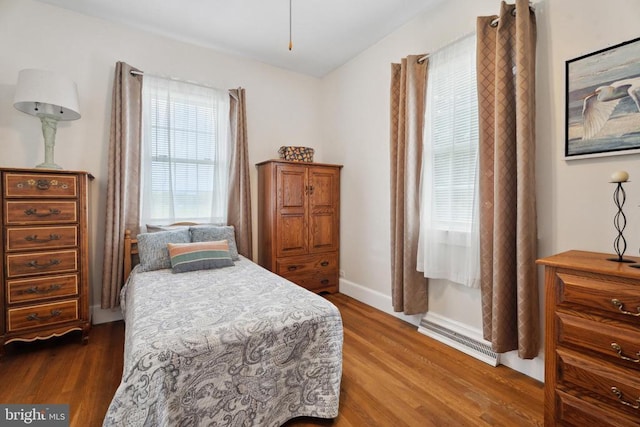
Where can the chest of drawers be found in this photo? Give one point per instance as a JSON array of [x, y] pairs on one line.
[[592, 344], [44, 269]]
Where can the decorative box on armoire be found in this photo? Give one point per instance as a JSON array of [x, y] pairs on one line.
[[45, 268], [299, 222], [592, 344]]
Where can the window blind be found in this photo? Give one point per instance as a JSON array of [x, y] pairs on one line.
[[448, 245], [185, 152]]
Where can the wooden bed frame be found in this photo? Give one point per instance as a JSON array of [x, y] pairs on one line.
[[130, 250]]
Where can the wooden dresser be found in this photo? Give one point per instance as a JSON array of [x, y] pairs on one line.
[[592, 347], [299, 222], [44, 270]]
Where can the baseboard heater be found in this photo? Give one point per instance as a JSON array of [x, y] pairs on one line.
[[457, 336]]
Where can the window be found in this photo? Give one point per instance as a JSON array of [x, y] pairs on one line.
[[448, 244], [185, 152]]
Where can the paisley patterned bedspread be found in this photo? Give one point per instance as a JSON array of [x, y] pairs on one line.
[[236, 346]]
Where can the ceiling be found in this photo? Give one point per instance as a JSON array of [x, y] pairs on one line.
[[326, 33]]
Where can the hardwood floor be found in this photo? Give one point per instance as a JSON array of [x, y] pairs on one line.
[[392, 376]]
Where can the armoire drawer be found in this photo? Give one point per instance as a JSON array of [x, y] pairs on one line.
[[28, 238], [25, 212], [40, 288], [307, 263], [315, 281], [42, 315], [40, 185], [36, 263]]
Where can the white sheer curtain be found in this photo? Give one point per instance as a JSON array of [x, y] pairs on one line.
[[185, 152], [448, 246]]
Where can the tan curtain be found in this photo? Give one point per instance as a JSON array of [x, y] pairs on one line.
[[123, 178], [506, 101], [239, 208], [408, 85]]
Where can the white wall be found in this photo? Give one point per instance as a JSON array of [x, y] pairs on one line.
[[575, 210], [282, 107]]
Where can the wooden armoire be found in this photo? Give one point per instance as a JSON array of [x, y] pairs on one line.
[[299, 222]]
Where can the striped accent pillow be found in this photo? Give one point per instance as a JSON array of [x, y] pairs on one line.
[[199, 256]]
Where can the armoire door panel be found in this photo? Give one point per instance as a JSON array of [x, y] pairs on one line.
[[323, 188], [292, 235], [292, 193], [323, 232]]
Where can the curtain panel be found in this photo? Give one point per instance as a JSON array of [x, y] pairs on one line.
[[506, 51], [123, 178], [239, 206], [408, 86]]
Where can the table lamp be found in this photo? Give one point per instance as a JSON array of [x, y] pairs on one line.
[[50, 97]]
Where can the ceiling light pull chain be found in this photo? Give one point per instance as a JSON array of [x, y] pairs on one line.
[[290, 37]]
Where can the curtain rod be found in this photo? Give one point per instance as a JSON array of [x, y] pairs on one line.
[[174, 79], [422, 59], [493, 24]]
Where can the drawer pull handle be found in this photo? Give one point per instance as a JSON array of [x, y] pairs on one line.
[[51, 263], [37, 290], [34, 316], [324, 263], [43, 184], [292, 268], [34, 212], [34, 238], [616, 347], [325, 281], [618, 393], [620, 306]]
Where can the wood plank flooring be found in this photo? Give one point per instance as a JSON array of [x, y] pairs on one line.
[[392, 376]]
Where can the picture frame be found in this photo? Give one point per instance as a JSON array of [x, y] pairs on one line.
[[602, 111]]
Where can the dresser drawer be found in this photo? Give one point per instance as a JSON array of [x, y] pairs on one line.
[[306, 264], [36, 316], [40, 185], [41, 238], [25, 213], [620, 298], [617, 340], [36, 263], [599, 380], [574, 412], [29, 290]]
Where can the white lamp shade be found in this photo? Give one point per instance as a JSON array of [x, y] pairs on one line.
[[44, 93]]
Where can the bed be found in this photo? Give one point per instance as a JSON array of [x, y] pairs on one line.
[[226, 346]]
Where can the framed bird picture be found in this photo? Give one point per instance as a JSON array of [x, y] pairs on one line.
[[603, 102]]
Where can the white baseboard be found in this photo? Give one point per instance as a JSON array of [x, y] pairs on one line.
[[101, 315], [376, 300]]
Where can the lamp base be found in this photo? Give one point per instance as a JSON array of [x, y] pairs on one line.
[[46, 165], [49, 127]]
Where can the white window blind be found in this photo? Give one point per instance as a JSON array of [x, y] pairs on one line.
[[448, 244], [185, 152]]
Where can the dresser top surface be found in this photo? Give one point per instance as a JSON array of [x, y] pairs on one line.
[[41, 171], [594, 262]]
